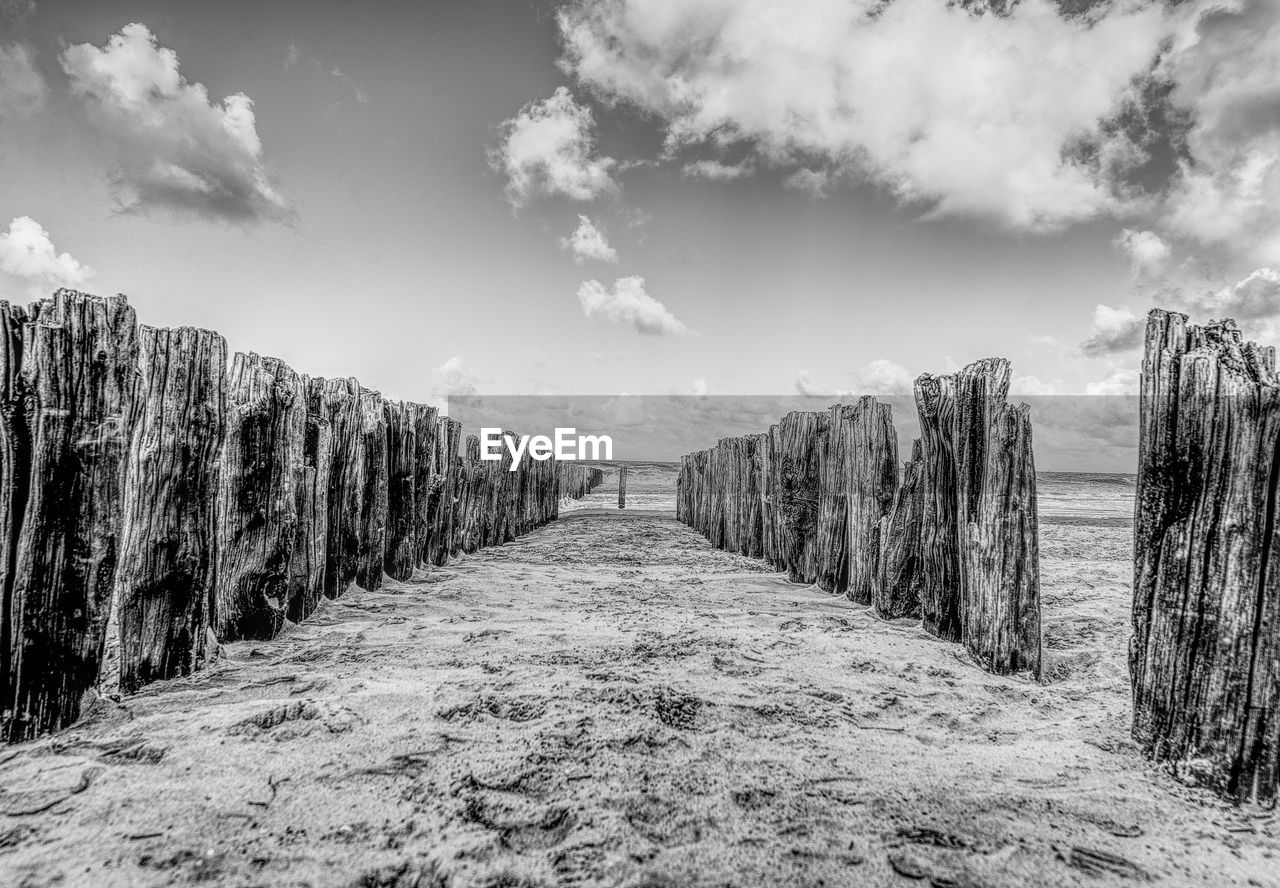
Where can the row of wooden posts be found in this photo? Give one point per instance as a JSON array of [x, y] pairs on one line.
[[953, 540], [208, 505]]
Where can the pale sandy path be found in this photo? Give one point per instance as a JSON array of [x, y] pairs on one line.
[[610, 701]]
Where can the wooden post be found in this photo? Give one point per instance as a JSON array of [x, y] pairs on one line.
[[622, 487], [262, 467], [311, 548], [67, 412], [939, 525], [900, 580], [338, 402], [168, 547], [873, 471], [402, 449], [444, 483], [799, 442], [424, 478], [981, 446], [1205, 653], [373, 501]]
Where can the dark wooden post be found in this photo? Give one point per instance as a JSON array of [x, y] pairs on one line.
[[311, 549], [168, 548], [939, 525], [1205, 654], [800, 441], [338, 402], [901, 578], [981, 447], [873, 469], [444, 483], [262, 464], [373, 501], [402, 449], [622, 487], [67, 422], [424, 479]]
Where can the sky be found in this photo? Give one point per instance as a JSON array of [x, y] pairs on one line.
[[598, 197]]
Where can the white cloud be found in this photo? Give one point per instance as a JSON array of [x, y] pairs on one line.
[[966, 114], [805, 385], [882, 377], [547, 149], [172, 148], [1256, 298], [1225, 67], [628, 303], [699, 387], [453, 378], [1114, 330], [815, 183], [27, 254], [1028, 386], [22, 88], [719, 172], [588, 242], [1148, 253], [1119, 382]]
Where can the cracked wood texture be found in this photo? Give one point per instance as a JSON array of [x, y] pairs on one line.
[[402, 448], [863, 446], [262, 468], [425, 430], [1205, 652], [445, 480], [799, 441], [899, 583], [68, 411], [168, 551], [337, 402], [979, 529], [373, 497], [311, 549]]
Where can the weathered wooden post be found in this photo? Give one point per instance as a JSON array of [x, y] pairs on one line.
[[622, 487], [338, 402], [900, 578], [424, 478], [71, 377], [939, 524], [799, 442], [980, 446], [873, 467], [1205, 653], [311, 550], [262, 467], [444, 484], [168, 547], [402, 445], [373, 500]]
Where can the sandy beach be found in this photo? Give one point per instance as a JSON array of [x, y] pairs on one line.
[[610, 701]]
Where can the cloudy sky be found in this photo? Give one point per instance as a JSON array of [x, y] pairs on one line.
[[607, 196]]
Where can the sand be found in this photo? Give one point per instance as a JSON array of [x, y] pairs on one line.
[[609, 701]]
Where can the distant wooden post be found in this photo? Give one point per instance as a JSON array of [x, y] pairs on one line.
[[262, 466], [168, 547], [1205, 654], [799, 442], [622, 487], [311, 550], [337, 401], [373, 501], [71, 376], [900, 579], [402, 445], [425, 430]]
